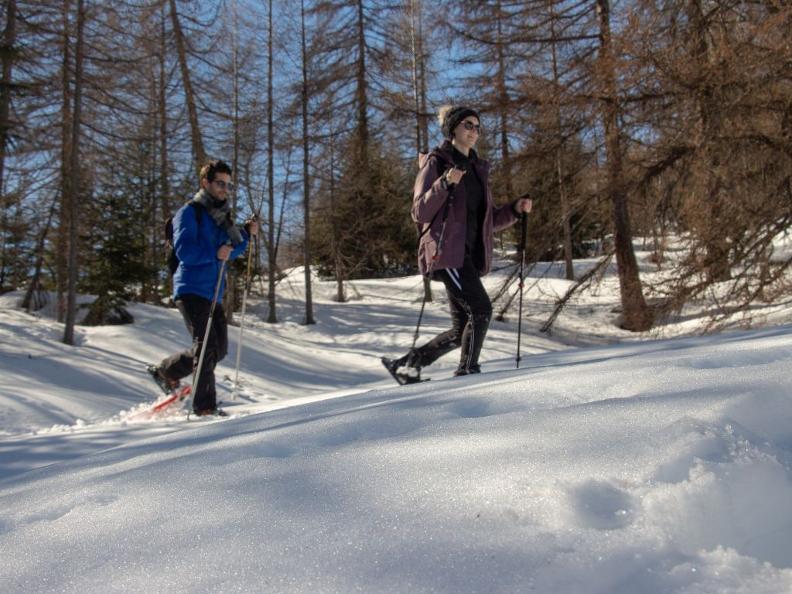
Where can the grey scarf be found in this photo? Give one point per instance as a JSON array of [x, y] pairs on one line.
[[220, 213]]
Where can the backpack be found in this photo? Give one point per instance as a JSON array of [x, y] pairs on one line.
[[443, 168], [173, 259]]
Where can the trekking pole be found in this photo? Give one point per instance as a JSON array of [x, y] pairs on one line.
[[197, 373], [524, 225], [242, 322]]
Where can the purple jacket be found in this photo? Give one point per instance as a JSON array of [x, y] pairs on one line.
[[429, 198]]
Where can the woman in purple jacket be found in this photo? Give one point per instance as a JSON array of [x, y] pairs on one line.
[[453, 206]]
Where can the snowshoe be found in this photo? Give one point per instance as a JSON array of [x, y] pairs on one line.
[[211, 412], [393, 365], [166, 385], [176, 395]]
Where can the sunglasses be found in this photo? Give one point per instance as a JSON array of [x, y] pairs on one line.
[[470, 126], [223, 185]]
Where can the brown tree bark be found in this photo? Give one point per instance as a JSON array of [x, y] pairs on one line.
[[309, 315], [30, 301], [272, 265], [361, 92], [75, 178], [503, 103], [232, 296], [419, 95], [62, 240], [7, 50], [189, 95], [563, 198], [637, 316], [716, 261], [164, 161]]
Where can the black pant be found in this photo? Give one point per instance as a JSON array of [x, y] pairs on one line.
[[471, 311], [195, 311]]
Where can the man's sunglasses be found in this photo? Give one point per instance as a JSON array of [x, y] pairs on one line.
[[471, 126], [223, 185]]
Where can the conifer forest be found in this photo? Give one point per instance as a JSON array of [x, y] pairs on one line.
[[663, 124]]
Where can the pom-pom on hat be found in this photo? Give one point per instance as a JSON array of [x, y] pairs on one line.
[[452, 115]]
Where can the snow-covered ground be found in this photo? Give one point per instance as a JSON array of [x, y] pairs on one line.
[[608, 463]]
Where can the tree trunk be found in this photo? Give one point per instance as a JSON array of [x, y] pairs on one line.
[[62, 241], [150, 285], [150, 289], [309, 316], [419, 96], [335, 236], [416, 38], [195, 130], [361, 93], [75, 179], [563, 198], [272, 317], [637, 316], [165, 189], [232, 297], [30, 302], [8, 55], [424, 115], [716, 261], [503, 103]]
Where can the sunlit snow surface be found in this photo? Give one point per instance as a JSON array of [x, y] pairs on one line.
[[641, 467]]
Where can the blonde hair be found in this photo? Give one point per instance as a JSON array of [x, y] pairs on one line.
[[442, 113]]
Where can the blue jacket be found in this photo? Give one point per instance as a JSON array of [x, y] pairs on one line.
[[196, 247]]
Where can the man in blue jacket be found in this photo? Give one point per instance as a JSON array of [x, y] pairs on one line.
[[204, 236]]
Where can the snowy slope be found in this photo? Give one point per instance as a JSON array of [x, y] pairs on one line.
[[652, 467], [106, 372]]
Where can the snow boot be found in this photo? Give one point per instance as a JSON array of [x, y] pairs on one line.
[[210, 412], [474, 369], [402, 377], [166, 385]]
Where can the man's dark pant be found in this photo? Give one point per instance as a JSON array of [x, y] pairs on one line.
[[471, 311], [195, 311]]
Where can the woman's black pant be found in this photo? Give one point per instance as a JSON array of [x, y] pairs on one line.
[[195, 311], [471, 311]]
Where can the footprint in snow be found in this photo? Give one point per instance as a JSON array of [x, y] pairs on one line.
[[601, 505]]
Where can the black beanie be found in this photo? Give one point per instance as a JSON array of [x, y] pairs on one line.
[[454, 116]]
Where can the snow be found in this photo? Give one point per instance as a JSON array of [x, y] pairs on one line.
[[605, 464]]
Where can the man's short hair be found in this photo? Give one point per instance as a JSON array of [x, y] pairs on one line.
[[213, 167]]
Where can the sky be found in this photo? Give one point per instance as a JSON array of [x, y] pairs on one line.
[[608, 463]]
